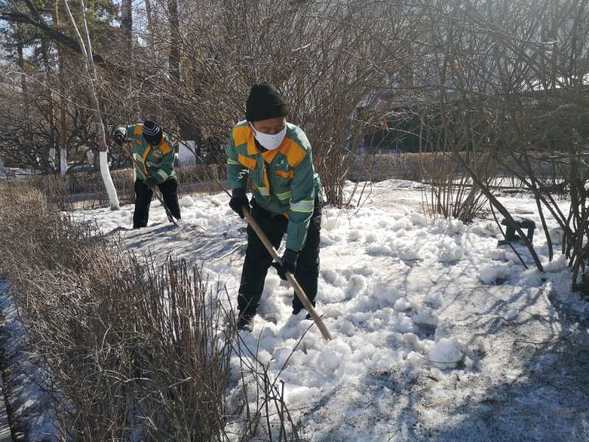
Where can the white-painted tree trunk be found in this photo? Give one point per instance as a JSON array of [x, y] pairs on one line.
[[107, 179], [62, 161], [52, 157], [187, 154], [90, 69]]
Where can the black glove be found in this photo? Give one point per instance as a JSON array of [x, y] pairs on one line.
[[150, 182], [289, 263], [119, 135], [238, 200], [119, 139]]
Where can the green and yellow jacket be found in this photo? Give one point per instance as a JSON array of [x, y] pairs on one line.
[[284, 179], [151, 161]]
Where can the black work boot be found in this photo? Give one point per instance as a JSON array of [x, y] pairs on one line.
[[296, 309], [245, 321]]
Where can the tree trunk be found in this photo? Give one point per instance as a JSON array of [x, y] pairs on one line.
[[150, 21], [187, 130], [90, 69], [52, 158], [174, 56], [25, 91], [62, 160], [127, 22], [54, 138], [61, 132]]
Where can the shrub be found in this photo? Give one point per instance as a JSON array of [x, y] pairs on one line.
[[134, 350]]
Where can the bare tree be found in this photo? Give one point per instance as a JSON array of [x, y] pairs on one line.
[[90, 69], [507, 81]]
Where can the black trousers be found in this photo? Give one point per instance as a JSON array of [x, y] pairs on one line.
[[143, 195], [258, 260]]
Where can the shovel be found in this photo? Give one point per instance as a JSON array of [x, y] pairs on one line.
[[289, 276]]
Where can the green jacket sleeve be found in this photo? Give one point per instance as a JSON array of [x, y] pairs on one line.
[[236, 173], [302, 203], [137, 162], [165, 169], [131, 133]]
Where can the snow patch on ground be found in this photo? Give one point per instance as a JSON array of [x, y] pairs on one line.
[[446, 353], [28, 398], [494, 273], [439, 334]]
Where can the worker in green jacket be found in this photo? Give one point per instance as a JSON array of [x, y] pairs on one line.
[[276, 156], [153, 158]]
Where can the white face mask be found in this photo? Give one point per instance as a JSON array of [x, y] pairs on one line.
[[270, 141]]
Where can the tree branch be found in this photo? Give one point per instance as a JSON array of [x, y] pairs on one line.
[[53, 34]]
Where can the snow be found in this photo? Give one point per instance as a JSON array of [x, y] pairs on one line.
[[24, 386], [494, 273], [186, 201], [445, 353], [439, 334]]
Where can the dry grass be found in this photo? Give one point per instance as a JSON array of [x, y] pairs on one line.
[[134, 350], [425, 167], [451, 193], [404, 166], [86, 189]]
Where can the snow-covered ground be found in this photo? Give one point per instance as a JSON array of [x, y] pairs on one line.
[[23, 377], [439, 334]]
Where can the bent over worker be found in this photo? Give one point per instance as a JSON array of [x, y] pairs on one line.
[[153, 158], [276, 156]]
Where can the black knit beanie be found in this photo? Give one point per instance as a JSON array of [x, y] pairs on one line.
[[152, 132], [263, 103]]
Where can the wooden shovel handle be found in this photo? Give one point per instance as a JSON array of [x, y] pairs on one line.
[[289, 276]]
